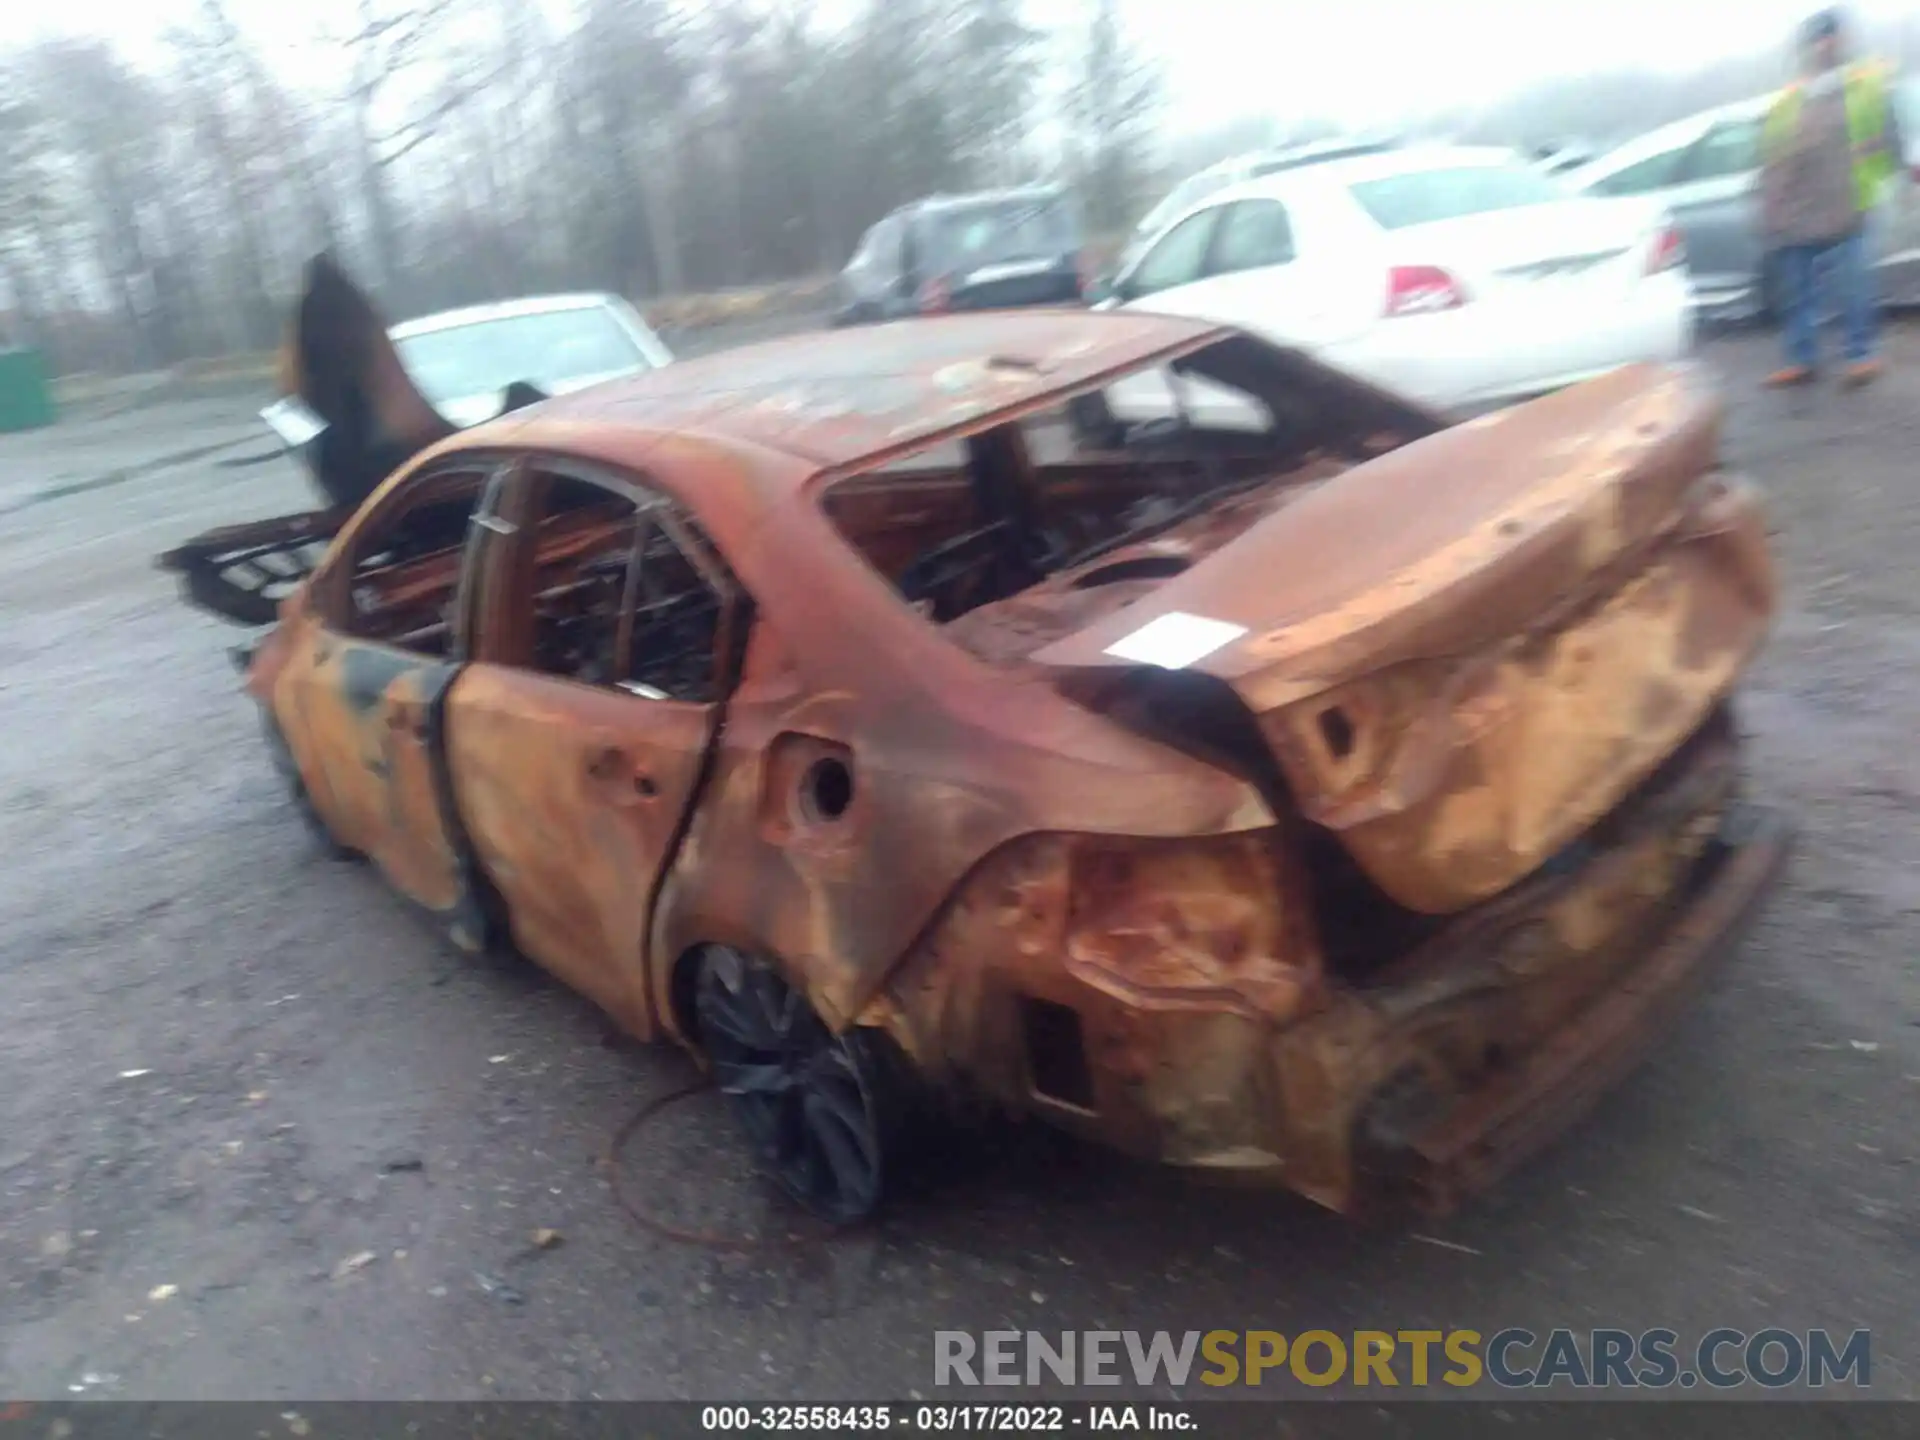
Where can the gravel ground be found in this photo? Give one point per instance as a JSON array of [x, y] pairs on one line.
[[260, 1136]]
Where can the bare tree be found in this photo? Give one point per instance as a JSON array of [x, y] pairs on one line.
[[1112, 107], [393, 110], [481, 148]]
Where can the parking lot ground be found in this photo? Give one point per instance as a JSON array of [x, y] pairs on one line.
[[261, 1136]]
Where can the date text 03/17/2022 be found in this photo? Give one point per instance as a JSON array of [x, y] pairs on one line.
[[943, 1418]]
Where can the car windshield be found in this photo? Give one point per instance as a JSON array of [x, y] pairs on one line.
[[551, 349], [1423, 197], [1013, 229]]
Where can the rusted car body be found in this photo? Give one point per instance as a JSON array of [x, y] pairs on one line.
[[1343, 804]]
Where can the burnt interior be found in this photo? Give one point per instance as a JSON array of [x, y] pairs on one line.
[[617, 601], [1027, 532], [404, 573], [605, 594]]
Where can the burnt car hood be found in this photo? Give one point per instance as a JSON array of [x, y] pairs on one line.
[[1464, 652]]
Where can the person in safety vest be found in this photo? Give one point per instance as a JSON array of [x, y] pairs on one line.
[[1829, 147]]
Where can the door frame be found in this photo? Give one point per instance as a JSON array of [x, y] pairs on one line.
[[473, 920], [497, 579]]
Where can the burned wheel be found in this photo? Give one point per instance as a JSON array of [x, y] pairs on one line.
[[813, 1103]]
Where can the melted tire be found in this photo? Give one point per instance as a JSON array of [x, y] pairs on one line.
[[822, 1111]]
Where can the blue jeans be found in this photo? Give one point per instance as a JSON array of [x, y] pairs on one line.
[[1844, 264]]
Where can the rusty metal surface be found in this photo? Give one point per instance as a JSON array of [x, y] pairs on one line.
[[574, 830], [844, 396], [1469, 1149], [1184, 913], [1464, 691], [1481, 1015]]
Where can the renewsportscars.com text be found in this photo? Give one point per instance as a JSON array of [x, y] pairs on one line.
[[1509, 1359]]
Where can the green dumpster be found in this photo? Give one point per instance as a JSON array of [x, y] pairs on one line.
[[26, 399]]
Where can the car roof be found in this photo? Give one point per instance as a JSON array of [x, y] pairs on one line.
[[1319, 152], [844, 398], [500, 310], [1351, 170], [936, 204]]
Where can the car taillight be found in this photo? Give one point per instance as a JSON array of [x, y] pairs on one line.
[[1422, 290], [935, 296], [1668, 252]]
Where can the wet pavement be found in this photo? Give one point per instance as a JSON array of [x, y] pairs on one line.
[[262, 1136]]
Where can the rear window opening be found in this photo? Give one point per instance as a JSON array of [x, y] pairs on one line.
[[964, 237], [1030, 530], [1428, 197]]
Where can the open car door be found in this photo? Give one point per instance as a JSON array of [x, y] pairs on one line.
[[361, 700], [351, 414]]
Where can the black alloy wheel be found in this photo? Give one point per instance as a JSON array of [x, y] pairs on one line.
[[806, 1097]]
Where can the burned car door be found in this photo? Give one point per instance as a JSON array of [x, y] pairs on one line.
[[364, 700], [578, 738]]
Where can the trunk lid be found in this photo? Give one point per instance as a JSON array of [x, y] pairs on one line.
[[1579, 249], [1465, 652]]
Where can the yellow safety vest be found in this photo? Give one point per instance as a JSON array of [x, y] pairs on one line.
[[1865, 88]]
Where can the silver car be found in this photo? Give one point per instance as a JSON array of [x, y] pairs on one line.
[[1705, 172]]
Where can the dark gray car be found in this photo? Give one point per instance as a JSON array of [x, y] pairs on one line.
[[1705, 171], [984, 251]]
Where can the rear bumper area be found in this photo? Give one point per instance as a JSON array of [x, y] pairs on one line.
[[1421, 1078], [1482, 1135]]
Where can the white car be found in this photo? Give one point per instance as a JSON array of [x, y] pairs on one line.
[[1235, 170], [1460, 277], [464, 360]]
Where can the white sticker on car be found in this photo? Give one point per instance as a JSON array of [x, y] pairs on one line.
[[1175, 640]]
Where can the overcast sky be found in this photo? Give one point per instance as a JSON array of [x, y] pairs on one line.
[[1350, 60]]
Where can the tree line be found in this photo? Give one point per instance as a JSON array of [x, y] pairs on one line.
[[469, 149], [464, 150]]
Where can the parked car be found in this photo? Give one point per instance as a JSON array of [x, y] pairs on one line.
[[1704, 171], [1459, 276], [1341, 805], [470, 364], [966, 252], [1237, 170], [1559, 159]]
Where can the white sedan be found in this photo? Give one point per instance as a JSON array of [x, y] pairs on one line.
[[464, 360], [1460, 277]]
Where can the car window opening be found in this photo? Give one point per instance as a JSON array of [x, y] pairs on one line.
[[1028, 531], [403, 575], [612, 599]]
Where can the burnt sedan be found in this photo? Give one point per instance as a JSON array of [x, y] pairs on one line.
[[1334, 796]]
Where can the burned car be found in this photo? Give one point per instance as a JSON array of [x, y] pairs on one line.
[[1342, 802]]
